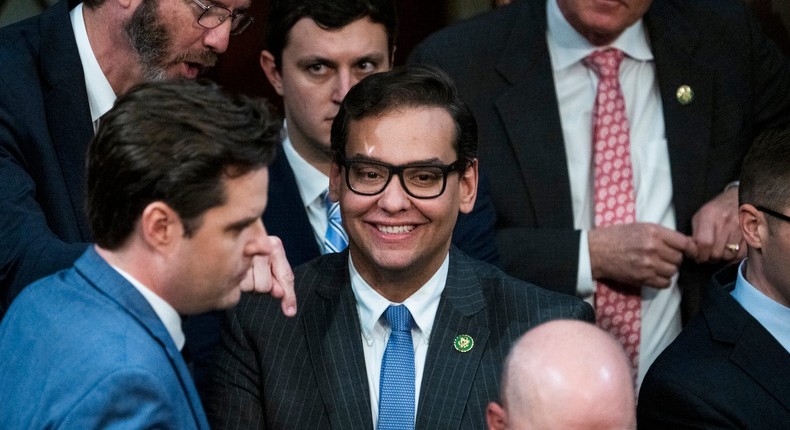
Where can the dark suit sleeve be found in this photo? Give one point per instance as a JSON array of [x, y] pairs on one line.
[[29, 249], [232, 399], [665, 404]]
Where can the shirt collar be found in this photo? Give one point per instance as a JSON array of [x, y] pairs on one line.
[[101, 97], [166, 313], [422, 304], [310, 181], [772, 315], [568, 47]]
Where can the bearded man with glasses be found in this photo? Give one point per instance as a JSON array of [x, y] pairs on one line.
[[730, 367], [401, 330]]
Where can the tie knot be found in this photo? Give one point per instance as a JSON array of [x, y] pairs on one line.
[[606, 63], [399, 318]]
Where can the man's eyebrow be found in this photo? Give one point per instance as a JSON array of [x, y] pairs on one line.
[[241, 224], [315, 59]]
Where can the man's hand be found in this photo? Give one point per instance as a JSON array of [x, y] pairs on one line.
[[272, 274], [715, 225], [638, 254]]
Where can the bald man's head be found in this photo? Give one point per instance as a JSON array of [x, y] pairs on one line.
[[569, 375]]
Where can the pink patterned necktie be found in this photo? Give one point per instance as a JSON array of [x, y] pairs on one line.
[[618, 309]]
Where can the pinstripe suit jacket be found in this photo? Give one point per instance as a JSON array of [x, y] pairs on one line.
[[308, 372]]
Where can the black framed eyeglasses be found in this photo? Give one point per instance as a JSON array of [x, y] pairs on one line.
[[213, 16], [773, 213], [421, 181]]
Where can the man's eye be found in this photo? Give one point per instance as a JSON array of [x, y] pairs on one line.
[[316, 69]]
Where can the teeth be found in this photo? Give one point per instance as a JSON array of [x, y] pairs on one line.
[[395, 229]]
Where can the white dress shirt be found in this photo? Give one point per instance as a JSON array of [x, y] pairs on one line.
[[772, 315], [371, 305], [101, 96], [311, 183], [576, 87], [166, 313]]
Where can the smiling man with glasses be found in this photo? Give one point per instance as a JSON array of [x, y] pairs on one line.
[[730, 368], [401, 330]]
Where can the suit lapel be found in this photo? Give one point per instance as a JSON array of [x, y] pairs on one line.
[[688, 127], [66, 104], [754, 350], [333, 339], [443, 397], [535, 133], [285, 216], [110, 283]]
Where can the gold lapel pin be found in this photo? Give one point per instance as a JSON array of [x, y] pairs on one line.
[[463, 343], [685, 95]]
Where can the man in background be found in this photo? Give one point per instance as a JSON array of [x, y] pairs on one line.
[[630, 203], [176, 186], [730, 367], [566, 375], [316, 51]]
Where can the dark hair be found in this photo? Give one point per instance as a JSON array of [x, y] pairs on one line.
[[765, 174], [403, 87], [172, 141], [329, 15]]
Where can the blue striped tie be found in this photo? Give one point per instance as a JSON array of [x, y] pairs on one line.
[[396, 385], [335, 239]]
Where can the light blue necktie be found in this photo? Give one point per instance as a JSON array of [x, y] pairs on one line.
[[335, 239], [396, 385]]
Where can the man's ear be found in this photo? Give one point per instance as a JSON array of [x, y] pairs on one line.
[[269, 67], [496, 417], [335, 181], [753, 225], [160, 226], [468, 188]]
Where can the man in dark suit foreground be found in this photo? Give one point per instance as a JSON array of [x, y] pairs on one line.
[[699, 81], [567, 375], [176, 185], [730, 368], [404, 164]]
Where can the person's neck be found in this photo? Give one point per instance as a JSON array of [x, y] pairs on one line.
[[755, 274], [321, 159], [111, 47]]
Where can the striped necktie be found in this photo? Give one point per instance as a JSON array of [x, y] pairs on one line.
[[335, 239]]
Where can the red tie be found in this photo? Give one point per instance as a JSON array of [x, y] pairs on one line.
[[618, 309]]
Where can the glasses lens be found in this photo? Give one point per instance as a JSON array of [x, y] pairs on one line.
[[424, 181], [213, 17], [367, 178], [240, 23]]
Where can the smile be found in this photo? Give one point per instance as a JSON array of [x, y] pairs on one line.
[[391, 229]]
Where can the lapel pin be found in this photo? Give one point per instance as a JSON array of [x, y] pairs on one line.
[[685, 95], [463, 343]]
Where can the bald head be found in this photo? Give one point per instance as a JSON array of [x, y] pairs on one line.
[[569, 375]]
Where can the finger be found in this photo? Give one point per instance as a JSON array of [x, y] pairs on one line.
[[248, 283], [659, 282], [283, 277], [261, 274], [703, 235], [670, 255]]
